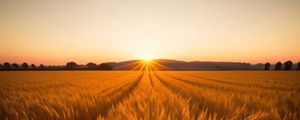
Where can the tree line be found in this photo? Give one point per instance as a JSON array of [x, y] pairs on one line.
[[67, 66], [288, 65]]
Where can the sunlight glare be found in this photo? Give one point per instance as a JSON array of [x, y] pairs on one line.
[[147, 59], [146, 56]]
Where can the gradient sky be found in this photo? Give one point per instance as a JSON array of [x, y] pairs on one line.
[[56, 31]]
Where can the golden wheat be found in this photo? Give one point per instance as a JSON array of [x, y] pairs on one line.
[[150, 95]]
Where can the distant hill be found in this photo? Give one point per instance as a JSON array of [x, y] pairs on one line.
[[168, 64]]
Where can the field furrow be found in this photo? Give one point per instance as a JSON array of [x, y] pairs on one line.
[[187, 113], [117, 96], [230, 88], [230, 82], [80, 99], [276, 79], [195, 101], [151, 100], [201, 84]]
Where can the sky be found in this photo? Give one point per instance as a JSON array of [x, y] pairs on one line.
[[54, 32]]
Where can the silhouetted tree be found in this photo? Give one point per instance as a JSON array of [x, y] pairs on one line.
[[71, 65], [267, 66], [14, 66], [6, 66], [288, 65], [42, 67], [25, 65], [278, 66], [33, 66], [91, 66], [1, 67], [104, 66], [298, 67]]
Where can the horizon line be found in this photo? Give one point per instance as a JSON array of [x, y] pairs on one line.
[[294, 62]]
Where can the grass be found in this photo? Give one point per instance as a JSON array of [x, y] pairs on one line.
[[150, 95]]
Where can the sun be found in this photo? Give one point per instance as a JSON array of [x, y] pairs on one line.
[[146, 56], [147, 59]]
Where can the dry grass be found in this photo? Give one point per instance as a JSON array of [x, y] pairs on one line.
[[150, 95]]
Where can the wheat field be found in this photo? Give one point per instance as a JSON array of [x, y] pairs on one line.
[[150, 95]]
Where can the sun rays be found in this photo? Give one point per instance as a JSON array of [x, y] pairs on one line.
[[150, 65]]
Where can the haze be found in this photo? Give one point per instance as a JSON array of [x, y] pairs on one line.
[[54, 32]]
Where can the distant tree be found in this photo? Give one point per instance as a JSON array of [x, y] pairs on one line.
[[6, 66], [42, 67], [1, 66], [298, 67], [278, 66], [14, 66], [288, 65], [104, 66], [91, 66], [50, 67], [71, 65], [25, 65], [267, 66], [33, 66]]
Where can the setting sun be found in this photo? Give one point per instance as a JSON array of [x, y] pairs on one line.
[[147, 59], [146, 56]]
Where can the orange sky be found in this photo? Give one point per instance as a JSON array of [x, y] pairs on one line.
[[115, 30]]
